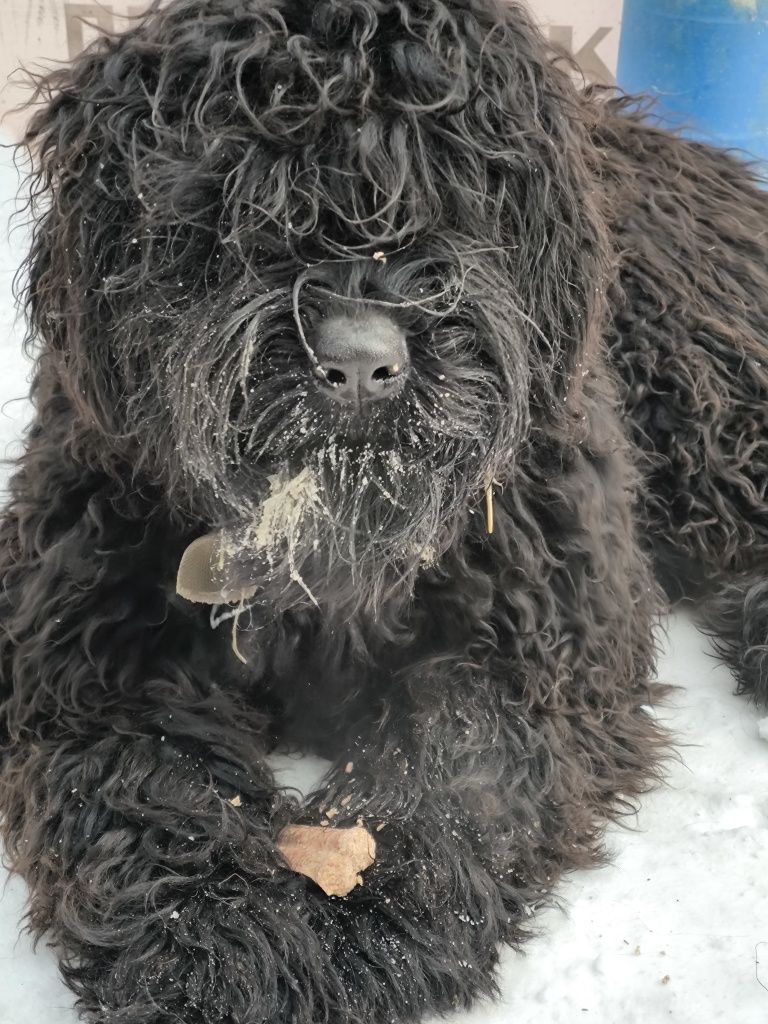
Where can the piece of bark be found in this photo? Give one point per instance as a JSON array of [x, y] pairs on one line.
[[332, 857]]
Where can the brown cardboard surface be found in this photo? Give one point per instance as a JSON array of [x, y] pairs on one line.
[[35, 34]]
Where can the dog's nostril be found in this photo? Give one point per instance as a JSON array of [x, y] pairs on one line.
[[335, 377], [386, 372]]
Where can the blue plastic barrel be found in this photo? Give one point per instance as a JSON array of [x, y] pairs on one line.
[[706, 62]]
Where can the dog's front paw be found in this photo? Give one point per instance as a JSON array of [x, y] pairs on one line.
[[234, 952], [421, 933], [398, 961]]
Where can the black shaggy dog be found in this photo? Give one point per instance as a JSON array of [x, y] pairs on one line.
[[338, 282]]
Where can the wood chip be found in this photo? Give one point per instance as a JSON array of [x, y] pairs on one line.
[[333, 859], [380, 257], [346, 801], [236, 801], [200, 579], [332, 813], [348, 767], [666, 979]]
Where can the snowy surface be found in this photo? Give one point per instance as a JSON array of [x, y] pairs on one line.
[[675, 929]]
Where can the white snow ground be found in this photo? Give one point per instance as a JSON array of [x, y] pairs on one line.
[[676, 929]]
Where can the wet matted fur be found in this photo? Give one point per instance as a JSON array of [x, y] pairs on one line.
[[584, 298]]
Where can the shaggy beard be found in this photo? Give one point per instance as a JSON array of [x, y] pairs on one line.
[[348, 522], [348, 532]]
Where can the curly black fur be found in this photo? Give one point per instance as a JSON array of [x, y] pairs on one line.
[[584, 297]]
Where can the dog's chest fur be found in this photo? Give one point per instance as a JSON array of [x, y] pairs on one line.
[[314, 683]]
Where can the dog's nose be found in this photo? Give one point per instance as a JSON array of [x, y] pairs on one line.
[[361, 359]]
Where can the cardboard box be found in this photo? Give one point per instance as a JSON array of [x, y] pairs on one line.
[[590, 29], [35, 34]]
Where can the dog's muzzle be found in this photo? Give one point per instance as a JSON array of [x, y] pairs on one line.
[[360, 359]]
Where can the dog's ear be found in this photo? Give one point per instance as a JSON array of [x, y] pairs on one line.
[[126, 188], [78, 204], [528, 119]]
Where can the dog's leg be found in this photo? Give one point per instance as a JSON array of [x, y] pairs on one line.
[[493, 767], [134, 796], [442, 789], [736, 614], [478, 804]]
